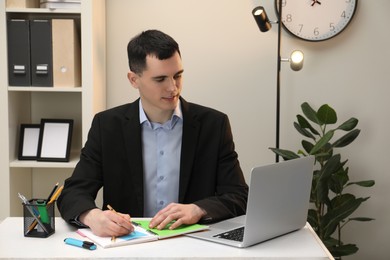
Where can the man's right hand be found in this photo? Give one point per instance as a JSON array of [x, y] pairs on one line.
[[107, 223]]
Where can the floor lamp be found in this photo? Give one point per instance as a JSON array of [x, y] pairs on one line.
[[295, 59]]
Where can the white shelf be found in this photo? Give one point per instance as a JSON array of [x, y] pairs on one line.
[[43, 10], [45, 89], [74, 158], [35, 164], [24, 105]]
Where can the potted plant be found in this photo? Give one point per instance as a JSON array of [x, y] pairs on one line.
[[331, 205]]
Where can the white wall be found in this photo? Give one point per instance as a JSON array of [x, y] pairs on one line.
[[231, 66]]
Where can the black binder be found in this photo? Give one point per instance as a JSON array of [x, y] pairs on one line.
[[18, 41], [41, 53]]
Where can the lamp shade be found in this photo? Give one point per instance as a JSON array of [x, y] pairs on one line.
[[296, 60], [261, 19]]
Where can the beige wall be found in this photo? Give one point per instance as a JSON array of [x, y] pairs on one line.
[[231, 66]]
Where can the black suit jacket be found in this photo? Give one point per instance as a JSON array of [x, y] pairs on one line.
[[210, 174]]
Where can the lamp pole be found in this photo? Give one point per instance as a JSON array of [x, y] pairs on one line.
[[278, 80], [296, 58]]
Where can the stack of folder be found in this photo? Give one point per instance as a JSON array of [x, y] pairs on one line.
[[22, 3], [60, 4], [43, 53]]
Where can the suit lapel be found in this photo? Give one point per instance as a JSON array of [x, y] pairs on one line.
[[133, 142], [189, 142]]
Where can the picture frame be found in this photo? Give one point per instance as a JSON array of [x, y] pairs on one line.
[[29, 141], [55, 140]]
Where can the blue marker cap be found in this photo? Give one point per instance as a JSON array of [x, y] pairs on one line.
[[80, 243]]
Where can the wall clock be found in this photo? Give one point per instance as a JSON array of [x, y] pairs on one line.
[[316, 20]]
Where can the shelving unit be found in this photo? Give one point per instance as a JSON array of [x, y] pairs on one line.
[[30, 104]]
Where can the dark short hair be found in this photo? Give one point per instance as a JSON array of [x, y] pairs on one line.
[[153, 43]]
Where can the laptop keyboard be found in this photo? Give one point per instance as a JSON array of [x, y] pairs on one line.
[[235, 234]]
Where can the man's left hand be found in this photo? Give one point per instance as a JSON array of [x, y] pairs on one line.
[[182, 213]]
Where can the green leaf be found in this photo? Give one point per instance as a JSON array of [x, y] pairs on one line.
[[313, 192], [310, 113], [305, 124], [325, 153], [368, 183], [330, 242], [300, 152], [343, 250], [349, 124], [330, 167], [339, 200], [362, 219], [327, 115], [307, 146], [322, 142], [312, 219], [303, 131], [333, 217], [285, 154], [346, 139], [338, 180]]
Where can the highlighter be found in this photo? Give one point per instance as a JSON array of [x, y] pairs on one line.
[[41, 204], [79, 243]]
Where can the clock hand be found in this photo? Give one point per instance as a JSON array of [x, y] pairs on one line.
[[315, 2]]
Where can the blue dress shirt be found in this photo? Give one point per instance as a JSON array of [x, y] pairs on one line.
[[161, 146]]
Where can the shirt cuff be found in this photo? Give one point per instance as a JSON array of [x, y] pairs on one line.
[[77, 222]]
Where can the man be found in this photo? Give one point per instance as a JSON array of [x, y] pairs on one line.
[[159, 157]]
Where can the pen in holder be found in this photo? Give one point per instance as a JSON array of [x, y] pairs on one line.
[[38, 218]]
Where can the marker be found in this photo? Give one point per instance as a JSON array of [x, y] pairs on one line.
[[41, 204], [79, 243]]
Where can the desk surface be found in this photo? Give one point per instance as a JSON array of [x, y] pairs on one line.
[[301, 244]]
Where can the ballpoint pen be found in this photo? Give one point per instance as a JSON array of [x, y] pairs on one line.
[[26, 202]]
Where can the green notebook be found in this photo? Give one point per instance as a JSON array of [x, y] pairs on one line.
[[166, 232]]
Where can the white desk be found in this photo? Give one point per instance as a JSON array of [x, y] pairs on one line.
[[302, 244]]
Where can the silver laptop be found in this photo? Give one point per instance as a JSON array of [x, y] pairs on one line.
[[278, 203]]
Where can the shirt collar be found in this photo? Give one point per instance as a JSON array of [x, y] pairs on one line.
[[177, 114]]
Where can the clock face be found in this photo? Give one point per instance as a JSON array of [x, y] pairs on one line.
[[316, 20]]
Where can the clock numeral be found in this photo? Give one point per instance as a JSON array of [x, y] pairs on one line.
[[284, 4], [289, 18], [332, 27], [316, 32], [348, 1], [300, 27], [343, 14]]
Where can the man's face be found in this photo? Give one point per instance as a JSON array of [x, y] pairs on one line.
[[159, 86]]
